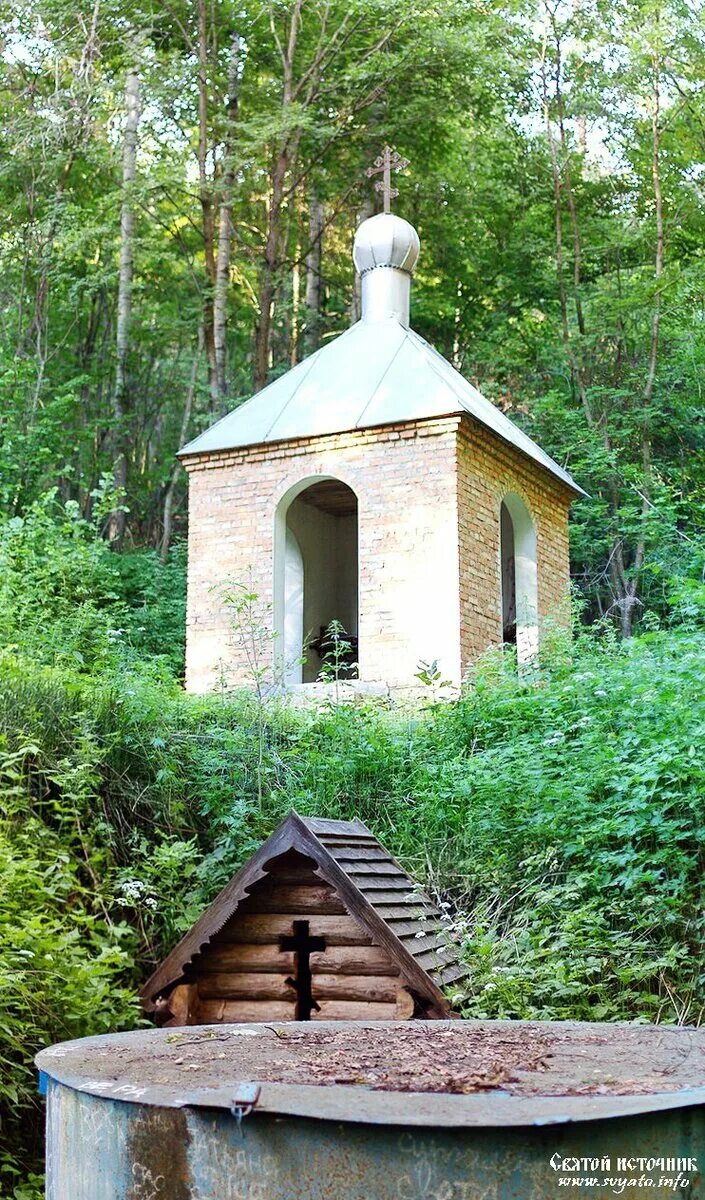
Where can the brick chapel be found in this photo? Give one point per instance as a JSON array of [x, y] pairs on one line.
[[374, 487]]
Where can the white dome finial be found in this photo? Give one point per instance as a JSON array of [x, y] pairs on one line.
[[385, 252], [386, 241]]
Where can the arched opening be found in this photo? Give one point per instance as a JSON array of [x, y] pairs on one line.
[[509, 580], [293, 632], [316, 581], [519, 577]]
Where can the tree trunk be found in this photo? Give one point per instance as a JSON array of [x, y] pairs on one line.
[[366, 210], [628, 601], [616, 566], [183, 433], [312, 319], [84, 70], [286, 150], [658, 267], [294, 338], [263, 331], [568, 187], [457, 357], [222, 267], [631, 600], [206, 200], [115, 529]]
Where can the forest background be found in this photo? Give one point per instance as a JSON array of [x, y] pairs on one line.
[[179, 187]]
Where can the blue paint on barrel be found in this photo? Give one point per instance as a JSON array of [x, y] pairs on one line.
[[340, 1145]]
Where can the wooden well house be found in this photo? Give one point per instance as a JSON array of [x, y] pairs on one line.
[[321, 924]]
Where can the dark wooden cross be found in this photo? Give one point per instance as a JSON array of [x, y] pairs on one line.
[[386, 162], [303, 946]]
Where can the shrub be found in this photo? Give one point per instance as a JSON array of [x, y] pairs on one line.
[[66, 599], [560, 815], [65, 962]]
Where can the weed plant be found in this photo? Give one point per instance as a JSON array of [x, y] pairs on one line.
[[559, 815]]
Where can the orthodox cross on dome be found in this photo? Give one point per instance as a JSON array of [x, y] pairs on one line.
[[386, 162]]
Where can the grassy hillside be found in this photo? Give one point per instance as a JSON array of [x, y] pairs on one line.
[[560, 817]]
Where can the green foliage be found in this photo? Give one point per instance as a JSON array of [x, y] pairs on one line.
[[66, 599], [589, 905], [64, 960], [337, 654], [560, 336], [559, 816]]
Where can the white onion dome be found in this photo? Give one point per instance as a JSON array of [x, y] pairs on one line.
[[386, 241]]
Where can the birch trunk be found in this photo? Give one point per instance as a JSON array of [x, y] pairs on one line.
[[168, 516], [366, 210], [225, 229], [263, 332], [206, 200], [314, 258], [286, 151], [295, 309], [302, 92], [115, 529]]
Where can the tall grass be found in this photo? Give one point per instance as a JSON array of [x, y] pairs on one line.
[[560, 816]]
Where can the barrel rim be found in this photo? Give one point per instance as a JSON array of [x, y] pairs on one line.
[[68, 1065], [358, 1105]]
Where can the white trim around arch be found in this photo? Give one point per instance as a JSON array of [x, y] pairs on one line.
[[292, 627], [288, 568], [526, 576]]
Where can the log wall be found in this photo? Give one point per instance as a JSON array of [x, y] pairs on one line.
[[242, 974]]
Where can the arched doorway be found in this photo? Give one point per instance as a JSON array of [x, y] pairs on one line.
[[316, 580], [519, 577]]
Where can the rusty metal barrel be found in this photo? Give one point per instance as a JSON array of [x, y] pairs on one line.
[[442, 1110]]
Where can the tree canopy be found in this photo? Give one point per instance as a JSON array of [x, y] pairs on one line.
[[179, 187], [180, 184]]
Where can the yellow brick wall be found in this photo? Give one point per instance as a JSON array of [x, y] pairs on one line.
[[405, 480], [428, 494], [487, 469]]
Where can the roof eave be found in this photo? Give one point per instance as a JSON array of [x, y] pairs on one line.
[[378, 928], [188, 452], [209, 923], [559, 474], [294, 832], [556, 472]]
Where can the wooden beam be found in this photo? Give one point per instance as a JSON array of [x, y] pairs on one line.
[[349, 854], [352, 960], [340, 930], [182, 1003], [244, 1010], [354, 1010], [300, 899], [244, 957], [405, 1005], [381, 867], [240, 985], [381, 989]]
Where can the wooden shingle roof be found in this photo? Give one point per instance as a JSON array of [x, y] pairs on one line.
[[370, 883]]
